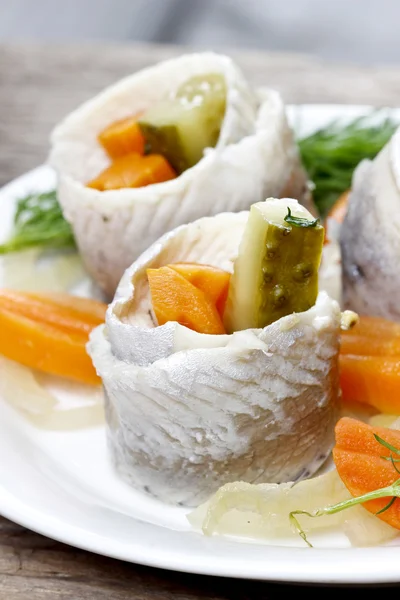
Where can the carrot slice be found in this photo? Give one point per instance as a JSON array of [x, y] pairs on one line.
[[358, 459], [174, 298], [373, 380], [89, 309], [132, 171], [374, 327], [64, 311], [373, 346], [46, 348], [122, 137], [49, 333], [212, 281], [370, 364]]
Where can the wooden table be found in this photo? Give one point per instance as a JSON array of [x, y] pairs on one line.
[[38, 86]]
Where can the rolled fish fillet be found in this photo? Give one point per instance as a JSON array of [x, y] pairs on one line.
[[255, 157], [370, 236], [188, 412]]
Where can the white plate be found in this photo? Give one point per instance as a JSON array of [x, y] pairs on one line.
[[61, 483]]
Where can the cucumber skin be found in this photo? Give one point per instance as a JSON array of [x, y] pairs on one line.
[[288, 279], [275, 273], [165, 140], [173, 135]]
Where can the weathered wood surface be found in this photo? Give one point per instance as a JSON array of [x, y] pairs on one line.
[[38, 86], [33, 567]]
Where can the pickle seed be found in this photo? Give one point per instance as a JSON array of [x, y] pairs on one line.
[[268, 275], [302, 272], [272, 251], [275, 273], [279, 296]]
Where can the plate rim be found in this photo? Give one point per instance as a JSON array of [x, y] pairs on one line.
[[233, 564]]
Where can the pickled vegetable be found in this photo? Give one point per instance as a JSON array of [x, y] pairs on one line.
[[132, 171], [42, 400], [370, 364], [212, 281], [182, 126], [49, 332], [366, 460], [276, 271], [261, 511], [174, 298], [122, 137]]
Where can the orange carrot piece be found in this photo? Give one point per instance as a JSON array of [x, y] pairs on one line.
[[91, 310], [133, 171], [50, 332], [373, 380], [370, 364], [44, 347], [360, 345], [64, 311], [212, 281], [174, 298], [358, 459], [122, 137], [374, 327]]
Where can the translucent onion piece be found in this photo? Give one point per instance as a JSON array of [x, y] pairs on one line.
[[365, 529], [362, 412], [385, 420], [50, 402], [262, 512], [36, 271]]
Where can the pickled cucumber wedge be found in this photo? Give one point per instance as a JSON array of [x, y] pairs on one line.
[[182, 126], [276, 271]]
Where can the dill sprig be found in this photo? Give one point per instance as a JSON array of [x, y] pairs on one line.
[[331, 154], [390, 491], [39, 222], [300, 221]]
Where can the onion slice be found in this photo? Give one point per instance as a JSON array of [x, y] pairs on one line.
[[37, 271], [48, 402], [262, 511]]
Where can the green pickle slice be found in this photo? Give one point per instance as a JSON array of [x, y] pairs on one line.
[[182, 126], [276, 271]]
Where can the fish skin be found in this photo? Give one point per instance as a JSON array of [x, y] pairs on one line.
[[186, 412], [370, 236], [256, 156]]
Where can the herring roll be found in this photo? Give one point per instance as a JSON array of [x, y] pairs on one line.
[[180, 140], [370, 236], [188, 411]]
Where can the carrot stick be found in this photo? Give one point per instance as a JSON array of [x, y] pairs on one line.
[[174, 298], [122, 137], [212, 281], [49, 333], [362, 463], [133, 171], [373, 380]]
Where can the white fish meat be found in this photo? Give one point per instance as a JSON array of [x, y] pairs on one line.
[[370, 236], [189, 412], [255, 157], [330, 271]]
